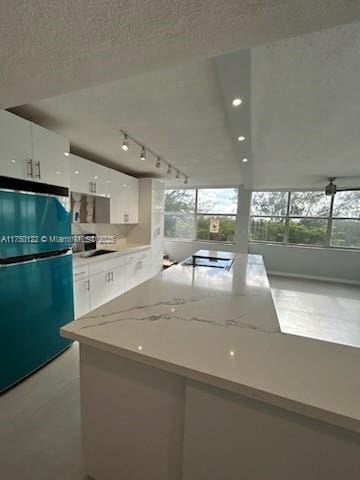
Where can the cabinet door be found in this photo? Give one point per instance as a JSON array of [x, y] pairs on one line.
[[132, 200], [51, 165], [132, 274], [117, 282], [81, 297], [99, 289], [101, 180], [80, 174], [117, 183], [15, 146]]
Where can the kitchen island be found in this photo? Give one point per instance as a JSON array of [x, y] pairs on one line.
[[188, 377]]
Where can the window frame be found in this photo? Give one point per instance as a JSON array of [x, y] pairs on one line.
[[197, 214], [329, 219]]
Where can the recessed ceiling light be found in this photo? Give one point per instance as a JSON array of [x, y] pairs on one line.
[[236, 102], [58, 172], [96, 177], [13, 160], [66, 154], [232, 353], [76, 172], [241, 138], [245, 160]]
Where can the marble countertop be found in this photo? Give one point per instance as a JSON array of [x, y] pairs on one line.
[[80, 259], [220, 327]]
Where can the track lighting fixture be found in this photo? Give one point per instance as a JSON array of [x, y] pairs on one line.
[[125, 145], [186, 181], [146, 152]]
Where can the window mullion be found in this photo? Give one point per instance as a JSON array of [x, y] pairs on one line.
[[286, 233], [196, 210], [330, 219]]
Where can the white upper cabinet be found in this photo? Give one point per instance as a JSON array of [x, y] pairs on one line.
[[15, 146], [132, 199], [100, 179], [31, 152], [80, 174], [50, 164], [89, 177], [124, 198]]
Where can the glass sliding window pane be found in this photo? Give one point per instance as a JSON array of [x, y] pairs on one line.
[[267, 229], [345, 233], [180, 200], [269, 203], [347, 205], [179, 226], [217, 200], [309, 204], [307, 231], [212, 227]]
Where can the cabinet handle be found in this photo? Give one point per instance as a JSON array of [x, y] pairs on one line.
[[38, 174], [90, 187], [30, 168], [107, 277], [87, 285], [112, 276], [94, 187], [126, 217]]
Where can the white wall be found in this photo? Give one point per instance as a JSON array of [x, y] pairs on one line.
[[329, 264]]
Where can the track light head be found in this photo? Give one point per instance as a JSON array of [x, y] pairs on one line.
[[186, 181], [158, 162], [143, 154], [125, 145], [177, 174], [169, 170]]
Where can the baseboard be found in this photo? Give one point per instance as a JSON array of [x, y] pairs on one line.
[[314, 277]]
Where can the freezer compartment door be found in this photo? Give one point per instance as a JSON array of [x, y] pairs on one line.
[[32, 223], [36, 299]]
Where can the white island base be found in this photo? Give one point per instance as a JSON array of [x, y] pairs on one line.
[[189, 377], [140, 422]]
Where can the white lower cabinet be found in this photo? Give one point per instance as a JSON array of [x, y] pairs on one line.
[[81, 290], [137, 269], [99, 282], [106, 285]]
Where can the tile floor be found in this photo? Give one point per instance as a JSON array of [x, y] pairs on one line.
[[40, 418], [322, 310]]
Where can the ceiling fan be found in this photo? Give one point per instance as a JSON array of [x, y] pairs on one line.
[[331, 188]]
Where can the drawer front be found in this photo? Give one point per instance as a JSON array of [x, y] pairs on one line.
[[106, 264], [80, 272], [137, 256]]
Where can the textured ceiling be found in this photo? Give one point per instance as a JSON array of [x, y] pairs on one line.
[[50, 47], [306, 109], [178, 112]]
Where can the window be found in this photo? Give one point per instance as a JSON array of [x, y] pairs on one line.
[[201, 214], [345, 231], [306, 218], [268, 215]]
